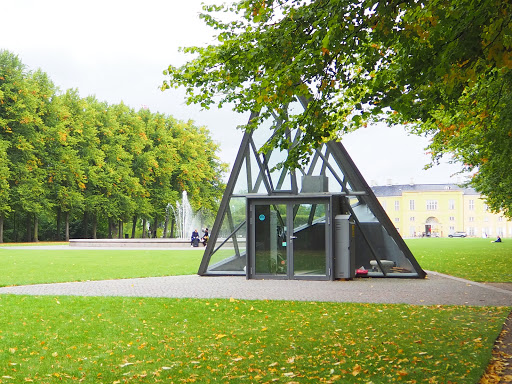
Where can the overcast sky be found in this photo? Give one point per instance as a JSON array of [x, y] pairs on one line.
[[117, 50]]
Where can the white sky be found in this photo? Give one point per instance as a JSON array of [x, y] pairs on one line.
[[117, 50]]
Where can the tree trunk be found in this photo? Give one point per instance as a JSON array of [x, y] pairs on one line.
[[29, 228], [58, 223], [94, 226], [120, 229], [110, 228], [155, 228], [172, 228], [1, 227], [134, 226], [66, 218], [15, 228], [36, 229], [166, 224], [143, 228], [85, 225]]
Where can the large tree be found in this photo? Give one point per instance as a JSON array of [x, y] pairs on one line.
[[65, 165], [5, 172], [25, 104], [440, 67]]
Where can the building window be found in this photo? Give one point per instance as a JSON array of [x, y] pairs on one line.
[[452, 229], [500, 218], [471, 218], [471, 231], [397, 205], [471, 205], [412, 231], [411, 218], [452, 218], [451, 204], [431, 205], [397, 219], [486, 208], [500, 231], [411, 205]]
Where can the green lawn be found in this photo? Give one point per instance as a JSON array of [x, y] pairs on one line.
[[129, 340], [31, 266], [132, 340], [472, 259]]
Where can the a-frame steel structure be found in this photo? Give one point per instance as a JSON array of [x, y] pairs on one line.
[[319, 222]]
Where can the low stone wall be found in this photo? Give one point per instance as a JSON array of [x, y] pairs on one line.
[[131, 243], [145, 243]]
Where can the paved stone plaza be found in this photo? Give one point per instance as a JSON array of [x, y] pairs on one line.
[[435, 289]]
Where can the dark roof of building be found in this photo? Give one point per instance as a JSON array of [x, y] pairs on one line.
[[397, 190]]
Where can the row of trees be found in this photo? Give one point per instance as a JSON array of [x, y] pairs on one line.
[[442, 68], [77, 166]]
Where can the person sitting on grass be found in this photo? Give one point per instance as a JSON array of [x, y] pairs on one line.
[[498, 239]]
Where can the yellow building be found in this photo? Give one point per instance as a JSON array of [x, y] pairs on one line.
[[440, 210]]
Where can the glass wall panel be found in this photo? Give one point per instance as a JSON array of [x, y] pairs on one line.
[[229, 250], [374, 244], [242, 185], [280, 177]]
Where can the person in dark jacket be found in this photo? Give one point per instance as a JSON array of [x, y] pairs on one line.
[[205, 237], [194, 241]]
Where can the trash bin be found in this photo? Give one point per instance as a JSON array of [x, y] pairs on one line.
[[344, 255]]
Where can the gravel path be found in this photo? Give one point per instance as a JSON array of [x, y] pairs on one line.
[[436, 289]]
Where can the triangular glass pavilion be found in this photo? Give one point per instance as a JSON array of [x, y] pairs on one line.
[[320, 222]]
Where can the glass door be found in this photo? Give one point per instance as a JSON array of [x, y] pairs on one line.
[[289, 240], [309, 240], [270, 240]]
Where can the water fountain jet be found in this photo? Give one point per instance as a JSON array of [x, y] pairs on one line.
[[185, 220]]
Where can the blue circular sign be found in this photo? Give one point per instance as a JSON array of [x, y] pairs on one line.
[[262, 217]]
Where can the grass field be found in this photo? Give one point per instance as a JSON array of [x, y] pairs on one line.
[[51, 339], [472, 259], [132, 340], [27, 266]]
